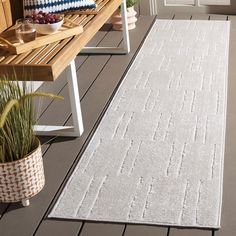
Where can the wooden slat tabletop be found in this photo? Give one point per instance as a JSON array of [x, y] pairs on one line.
[[48, 62]]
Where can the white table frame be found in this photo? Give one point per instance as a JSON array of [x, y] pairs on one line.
[[71, 131], [77, 129]]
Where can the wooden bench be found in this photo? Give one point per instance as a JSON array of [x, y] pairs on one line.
[[47, 62]]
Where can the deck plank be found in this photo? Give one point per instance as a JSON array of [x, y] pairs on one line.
[[182, 16], [200, 17], [98, 62], [3, 208], [101, 229], [217, 17], [229, 191], [59, 228], [188, 232], [142, 230], [165, 16]]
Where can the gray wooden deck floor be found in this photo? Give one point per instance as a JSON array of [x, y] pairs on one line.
[[99, 77]]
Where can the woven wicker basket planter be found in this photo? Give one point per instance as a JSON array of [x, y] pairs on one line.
[[22, 179]]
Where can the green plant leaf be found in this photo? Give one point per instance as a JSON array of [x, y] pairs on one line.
[[17, 118], [41, 94], [6, 110]]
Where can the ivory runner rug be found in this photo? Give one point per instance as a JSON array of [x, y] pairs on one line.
[[157, 155]]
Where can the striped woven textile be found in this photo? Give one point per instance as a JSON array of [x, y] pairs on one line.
[[55, 6]]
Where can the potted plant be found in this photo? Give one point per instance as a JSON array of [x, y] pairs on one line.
[[131, 16], [21, 164]]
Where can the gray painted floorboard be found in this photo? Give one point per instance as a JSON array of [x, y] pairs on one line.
[[217, 17], [142, 230], [101, 229], [58, 228], [3, 208], [189, 232], [229, 194], [200, 17]]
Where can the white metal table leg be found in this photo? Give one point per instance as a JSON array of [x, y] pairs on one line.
[[125, 27], [114, 50], [71, 131], [74, 99]]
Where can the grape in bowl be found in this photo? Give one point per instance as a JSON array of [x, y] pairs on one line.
[[46, 23]]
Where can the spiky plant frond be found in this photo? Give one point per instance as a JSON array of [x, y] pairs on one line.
[[17, 119]]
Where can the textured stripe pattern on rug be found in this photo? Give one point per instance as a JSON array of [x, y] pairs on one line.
[[157, 155]]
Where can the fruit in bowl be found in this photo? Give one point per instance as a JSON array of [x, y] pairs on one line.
[[46, 23]]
